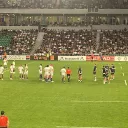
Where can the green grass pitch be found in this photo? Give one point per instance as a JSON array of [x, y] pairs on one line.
[[36, 104]]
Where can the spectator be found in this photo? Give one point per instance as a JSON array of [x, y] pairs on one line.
[[4, 121]]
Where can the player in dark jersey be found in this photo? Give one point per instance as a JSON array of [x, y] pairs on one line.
[[107, 67], [112, 69], [80, 75], [94, 72], [106, 76], [103, 71]]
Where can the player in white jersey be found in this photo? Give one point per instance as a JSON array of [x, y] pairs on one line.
[[1, 72], [63, 74], [11, 71], [46, 73], [5, 61], [21, 72], [26, 72], [14, 64], [51, 72], [40, 72]]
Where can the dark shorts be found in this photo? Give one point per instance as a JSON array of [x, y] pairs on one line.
[[68, 75], [94, 73], [80, 75], [112, 73], [104, 75]]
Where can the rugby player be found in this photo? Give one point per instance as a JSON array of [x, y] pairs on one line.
[[112, 69], [21, 72], [40, 72], [63, 74], [14, 66], [104, 72], [107, 79], [80, 74], [26, 72], [5, 61], [51, 72], [94, 72], [46, 73], [11, 72], [1, 72]]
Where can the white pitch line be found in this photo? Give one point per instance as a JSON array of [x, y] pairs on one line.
[[125, 82], [79, 127], [116, 101], [120, 67], [123, 74]]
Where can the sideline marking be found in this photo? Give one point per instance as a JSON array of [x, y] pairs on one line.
[[125, 82], [123, 74], [116, 101], [121, 67]]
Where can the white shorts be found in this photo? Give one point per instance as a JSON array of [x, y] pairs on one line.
[[5, 64], [51, 73], [21, 73], [46, 74], [63, 75], [11, 72], [26, 73], [1, 73], [40, 72]]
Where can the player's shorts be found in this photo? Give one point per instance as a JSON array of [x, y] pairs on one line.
[[104, 75], [68, 75], [21, 73], [46, 74], [51, 73], [80, 75], [40, 72], [94, 73], [112, 73], [5, 64], [11, 72], [63, 74], [1, 73], [26, 73]]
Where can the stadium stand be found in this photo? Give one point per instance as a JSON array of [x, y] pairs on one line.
[[20, 41], [114, 42], [68, 42], [70, 4]]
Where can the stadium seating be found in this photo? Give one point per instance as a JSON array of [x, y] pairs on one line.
[[114, 42], [5, 37], [72, 4], [21, 41], [68, 42]]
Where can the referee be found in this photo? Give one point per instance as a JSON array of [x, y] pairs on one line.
[[4, 122]]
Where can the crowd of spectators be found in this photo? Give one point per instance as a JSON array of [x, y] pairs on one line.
[[69, 42], [70, 4], [21, 43], [114, 42]]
